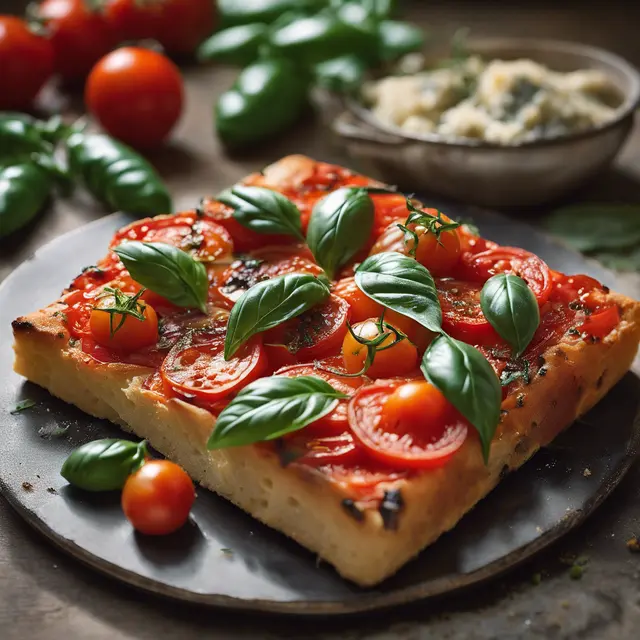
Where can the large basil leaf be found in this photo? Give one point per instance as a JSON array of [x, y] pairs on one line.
[[511, 308], [103, 465], [263, 210], [271, 407], [269, 303], [168, 271], [339, 226], [401, 283], [468, 382]]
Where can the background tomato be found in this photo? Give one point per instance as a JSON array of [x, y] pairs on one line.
[[158, 497], [178, 25], [26, 63], [136, 94], [79, 34]]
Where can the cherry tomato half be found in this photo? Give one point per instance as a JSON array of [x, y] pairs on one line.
[[314, 334], [123, 332], [196, 369], [158, 497], [533, 270], [425, 444], [361, 305], [335, 422], [26, 63], [265, 264], [79, 34], [340, 448], [397, 360], [136, 94], [202, 238], [462, 316], [178, 25], [602, 323]]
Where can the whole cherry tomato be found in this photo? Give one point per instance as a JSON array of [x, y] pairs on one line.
[[123, 331], [136, 94], [79, 34], [158, 497], [26, 63], [178, 25]]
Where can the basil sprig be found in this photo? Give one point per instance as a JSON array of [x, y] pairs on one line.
[[511, 308], [103, 465], [468, 381], [339, 226], [272, 407], [270, 303], [168, 271], [401, 283], [263, 210]]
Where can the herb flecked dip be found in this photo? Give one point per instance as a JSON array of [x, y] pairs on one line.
[[497, 101]]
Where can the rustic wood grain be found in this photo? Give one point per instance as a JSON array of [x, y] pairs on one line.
[[46, 596]]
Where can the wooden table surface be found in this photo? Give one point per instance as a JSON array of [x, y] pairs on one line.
[[46, 595]]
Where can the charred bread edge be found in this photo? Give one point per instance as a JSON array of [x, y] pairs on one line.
[[367, 545]]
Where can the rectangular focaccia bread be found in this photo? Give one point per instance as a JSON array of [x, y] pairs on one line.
[[366, 519]]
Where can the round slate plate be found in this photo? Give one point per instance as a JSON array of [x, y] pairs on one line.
[[224, 557]]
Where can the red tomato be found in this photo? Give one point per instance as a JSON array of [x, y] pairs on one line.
[[314, 334], [265, 264], [95, 275], [244, 239], [569, 289], [136, 94], [471, 243], [123, 332], [426, 444], [335, 422], [480, 267], [158, 497], [462, 316], [178, 25], [195, 367], [602, 323], [389, 209], [26, 63], [202, 238], [79, 34], [361, 305], [397, 360], [330, 449]]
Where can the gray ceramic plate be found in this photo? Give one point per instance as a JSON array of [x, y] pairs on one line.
[[224, 557]]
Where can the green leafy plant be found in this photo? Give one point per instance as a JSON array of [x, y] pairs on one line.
[[103, 465], [168, 271], [272, 407], [270, 303], [510, 306]]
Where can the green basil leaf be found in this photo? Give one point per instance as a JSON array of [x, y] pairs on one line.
[[271, 407], [339, 227], [620, 260], [269, 303], [401, 283], [511, 308], [588, 227], [342, 75], [236, 45], [103, 465], [168, 271], [468, 382], [263, 210]]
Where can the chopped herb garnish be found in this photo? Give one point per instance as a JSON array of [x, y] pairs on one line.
[[23, 405]]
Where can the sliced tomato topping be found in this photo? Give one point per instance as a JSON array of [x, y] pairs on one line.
[[361, 305], [244, 239], [422, 446], [462, 316], [327, 449], [575, 289], [314, 334], [99, 274], [203, 238], [480, 267], [389, 209], [335, 422], [601, 323], [262, 265], [471, 243], [195, 367]]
